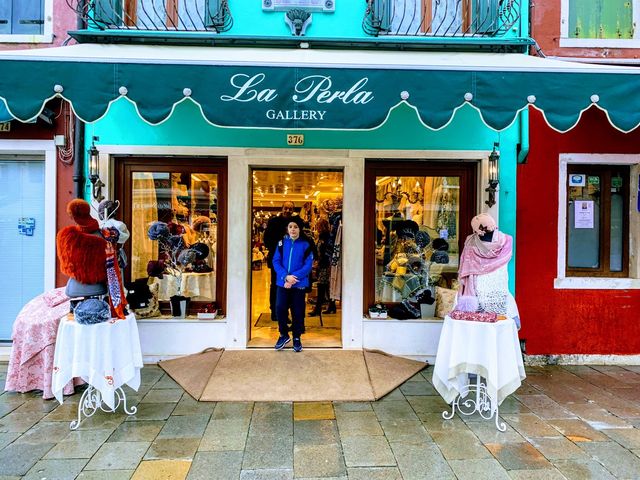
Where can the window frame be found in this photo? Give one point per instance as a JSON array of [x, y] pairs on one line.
[[125, 166], [604, 171], [47, 30], [567, 41], [376, 167]]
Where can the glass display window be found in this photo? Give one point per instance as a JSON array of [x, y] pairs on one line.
[[183, 205], [417, 217]]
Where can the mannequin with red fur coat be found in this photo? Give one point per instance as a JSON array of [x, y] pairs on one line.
[[81, 248]]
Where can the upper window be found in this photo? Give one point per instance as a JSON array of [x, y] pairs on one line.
[[597, 220], [596, 23], [22, 17]]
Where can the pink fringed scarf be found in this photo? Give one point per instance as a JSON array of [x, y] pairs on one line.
[[479, 258]]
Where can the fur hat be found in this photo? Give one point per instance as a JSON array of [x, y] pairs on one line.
[[201, 249], [80, 211], [440, 256], [201, 223], [158, 230], [440, 244]]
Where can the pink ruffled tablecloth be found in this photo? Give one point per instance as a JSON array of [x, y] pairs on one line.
[[34, 338]]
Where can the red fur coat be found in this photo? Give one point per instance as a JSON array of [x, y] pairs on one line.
[[82, 255]]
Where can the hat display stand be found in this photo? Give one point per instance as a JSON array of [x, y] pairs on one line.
[[179, 306]]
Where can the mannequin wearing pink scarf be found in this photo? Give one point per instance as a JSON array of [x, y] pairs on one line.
[[481, 257]]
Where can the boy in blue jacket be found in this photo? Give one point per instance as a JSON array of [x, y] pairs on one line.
[[292, 262]]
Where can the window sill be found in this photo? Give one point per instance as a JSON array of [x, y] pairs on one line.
[[600, 42], [596, 283], [409, 320], [26, 38]]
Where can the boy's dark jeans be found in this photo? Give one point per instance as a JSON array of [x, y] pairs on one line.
[[293, 298]]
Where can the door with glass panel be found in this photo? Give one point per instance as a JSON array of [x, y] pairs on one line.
[[21, 236], [417, 217], [176, 213]]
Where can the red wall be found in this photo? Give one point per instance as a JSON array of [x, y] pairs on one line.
[[566, 321]]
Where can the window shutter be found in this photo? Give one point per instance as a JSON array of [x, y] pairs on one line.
[[216, 14], [28, 17], [107, 12], [485, 16], [5, 17], [382, 15], [601, 19]]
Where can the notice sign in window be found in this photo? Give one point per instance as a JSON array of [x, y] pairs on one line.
[[583, 214]]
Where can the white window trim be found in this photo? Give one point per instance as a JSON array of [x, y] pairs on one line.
[[565, 41], [46, 149], [47, 35], [593, 283]]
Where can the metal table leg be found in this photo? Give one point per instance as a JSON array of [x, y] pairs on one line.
[[482, 403], [91, 401]]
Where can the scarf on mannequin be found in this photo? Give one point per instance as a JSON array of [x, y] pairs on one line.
[[479, 258], [117, 297]]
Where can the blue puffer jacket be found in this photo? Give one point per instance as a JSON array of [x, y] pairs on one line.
[[289, 259]]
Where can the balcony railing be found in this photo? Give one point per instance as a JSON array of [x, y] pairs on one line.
[[441, 18], [155, 15]]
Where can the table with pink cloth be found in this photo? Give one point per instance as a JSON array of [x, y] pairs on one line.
[[34, 338]]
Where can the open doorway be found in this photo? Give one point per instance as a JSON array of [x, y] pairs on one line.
[[316, 197]]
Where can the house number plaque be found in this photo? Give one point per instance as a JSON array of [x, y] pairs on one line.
[[295, 139]]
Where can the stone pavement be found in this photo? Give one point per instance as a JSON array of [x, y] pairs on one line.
[[574, 422]]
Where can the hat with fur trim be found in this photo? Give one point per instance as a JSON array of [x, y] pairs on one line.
[[80, 211]]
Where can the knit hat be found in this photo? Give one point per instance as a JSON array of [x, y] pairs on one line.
[[297, 220], [483, 223], [91, 311], [80, 211]]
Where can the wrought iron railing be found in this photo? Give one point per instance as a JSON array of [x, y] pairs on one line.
[[155, 15], [441, 18]]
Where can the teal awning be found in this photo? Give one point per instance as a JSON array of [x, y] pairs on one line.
[[314, 89], [5, 116]]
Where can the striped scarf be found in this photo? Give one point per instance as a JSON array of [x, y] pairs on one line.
[[114, 278]]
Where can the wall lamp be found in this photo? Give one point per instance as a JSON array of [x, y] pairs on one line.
[[94, 171], [494, 160]]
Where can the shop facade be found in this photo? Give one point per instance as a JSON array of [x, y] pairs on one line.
[[421, 133]]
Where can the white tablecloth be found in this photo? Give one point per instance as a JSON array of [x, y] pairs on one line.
[[491, 350], [198, 286], [106, 355]]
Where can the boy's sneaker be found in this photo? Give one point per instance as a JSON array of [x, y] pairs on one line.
[[282, 341], [297, 345]]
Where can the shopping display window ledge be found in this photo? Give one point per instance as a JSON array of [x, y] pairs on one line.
[[367, 318], [188, 319], [596, 283]]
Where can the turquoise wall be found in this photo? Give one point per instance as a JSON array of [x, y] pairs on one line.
[[403, 130]]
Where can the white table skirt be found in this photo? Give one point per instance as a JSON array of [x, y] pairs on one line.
[[491, 350], [198, 286], [106, 355]]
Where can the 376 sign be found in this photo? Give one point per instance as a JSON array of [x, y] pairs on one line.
[[295, 139]]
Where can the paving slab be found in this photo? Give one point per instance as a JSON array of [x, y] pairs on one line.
[[369, 451], [352, 424], [184, 426], [118, 456], [518, 456], [557, 448], [577, 469], [405, 431], [315, 432], [56, 469], [79, 444], [460, 445], [578, 430], [225, 434], [313, 411], [266, 474], [105, 475], [215, 466], [164, 469], [479, 469], [627, 437], [17, 459], [161, 395], [619, 461], [268, 451], [374, 473], [421, 462], [189, 406], [318, 461], [172, 449]]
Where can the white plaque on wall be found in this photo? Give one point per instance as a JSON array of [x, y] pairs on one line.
[[311, 5]]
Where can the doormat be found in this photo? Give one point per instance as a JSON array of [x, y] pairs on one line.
[[329, 320], [218, 375]]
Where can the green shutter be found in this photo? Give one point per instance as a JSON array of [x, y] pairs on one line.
[[611, 19], [216, 12], [485, 16], [107, 12], [382, 12]]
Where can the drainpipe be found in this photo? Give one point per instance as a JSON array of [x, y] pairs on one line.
[[78, 140], [523, 124]]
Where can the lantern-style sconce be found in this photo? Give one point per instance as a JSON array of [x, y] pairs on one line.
[[494, 160], [94, 171]]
